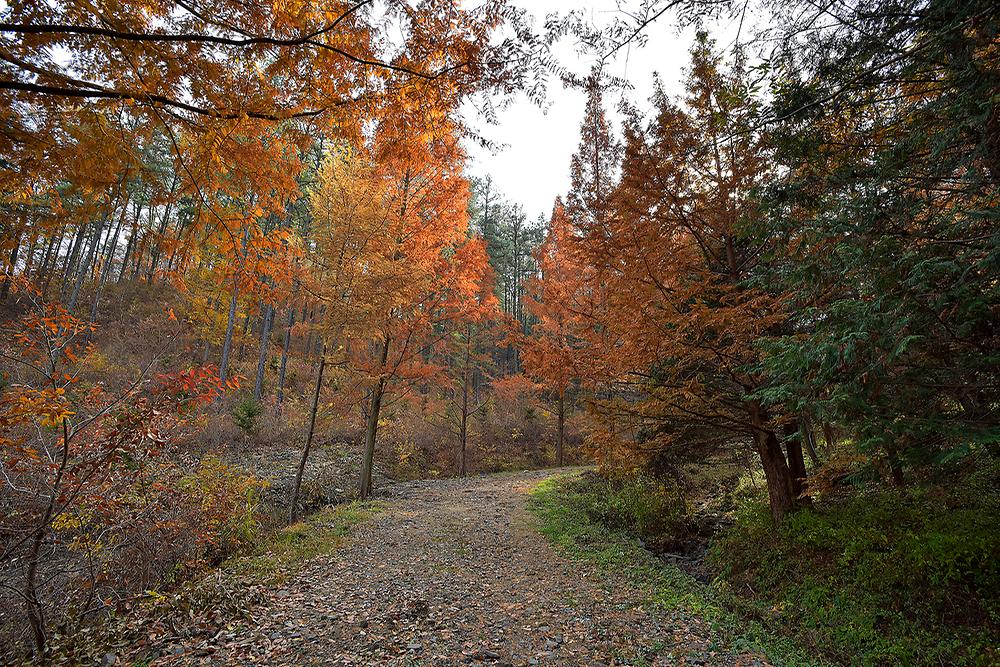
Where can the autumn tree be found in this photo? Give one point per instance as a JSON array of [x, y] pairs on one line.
[[594, 166], [394, 260], [86, 467], [676, 324], [558, 302]]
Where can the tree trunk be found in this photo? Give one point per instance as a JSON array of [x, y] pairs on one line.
[[372, 427], [463, 429], [796, 463], [29, 257], [293, 512], [810, 441], [829, 436], [155, 252], [131, 245], [895, 466], [772, 460], [779, 479], [561, 429], [284, 356], [85, 267], [109, 258], [5, 288], [71, 257], [227, 343], [265, 335], [243, 337], [51, 252]]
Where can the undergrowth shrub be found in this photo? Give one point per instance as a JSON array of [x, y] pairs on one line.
[[635, 504], [228, 502], [876, 577], [246, 412]]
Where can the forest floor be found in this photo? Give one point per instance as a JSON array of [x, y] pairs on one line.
[[454, 572]]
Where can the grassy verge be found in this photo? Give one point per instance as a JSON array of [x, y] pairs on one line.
[[288, 549], [564, 508], [873, 576]]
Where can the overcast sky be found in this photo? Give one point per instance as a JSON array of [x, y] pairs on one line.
[[533, 167]]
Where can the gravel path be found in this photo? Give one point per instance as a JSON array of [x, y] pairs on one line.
[[451, 573]]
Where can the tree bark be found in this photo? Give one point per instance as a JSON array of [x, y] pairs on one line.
[[109, 257], [5, 288], [71, 257], [779, 478], [227, 344], [810, 441], [293, 512], [85, 267], [796, 463], [51, 252], [265, 335], [829, 436], [463, 429], [561, 428], [284, 356], [371, 430]]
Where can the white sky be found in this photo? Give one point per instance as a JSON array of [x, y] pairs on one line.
[[533, 167]]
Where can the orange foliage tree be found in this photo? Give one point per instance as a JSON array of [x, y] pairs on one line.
[[559, 300], [676, 320], [89, 487], [393, 261]]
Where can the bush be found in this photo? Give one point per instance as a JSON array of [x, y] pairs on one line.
[[246, 412], [228, 504], [642, 506], [878, 577]]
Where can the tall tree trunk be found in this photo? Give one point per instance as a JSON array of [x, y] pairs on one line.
[[70, 261], [88, 261], [243, 336], [293, 512], [372, 427], [796, 463], [227, 343], [131, 245], [267, 318], [776, 472], [895, 466], [45, 271], [809, 438], [829, 436], [109, 258], [155, 252], [463, 428], [561, 427], [5, 288], [284, 356], [29, 257]]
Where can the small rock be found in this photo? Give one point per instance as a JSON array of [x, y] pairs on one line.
[[109, 659]]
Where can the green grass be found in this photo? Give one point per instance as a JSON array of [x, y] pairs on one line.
[[288, 549], [879, 576], [872, 577], [566, 510]]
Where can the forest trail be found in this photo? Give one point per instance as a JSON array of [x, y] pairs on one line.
[[451, 572]]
